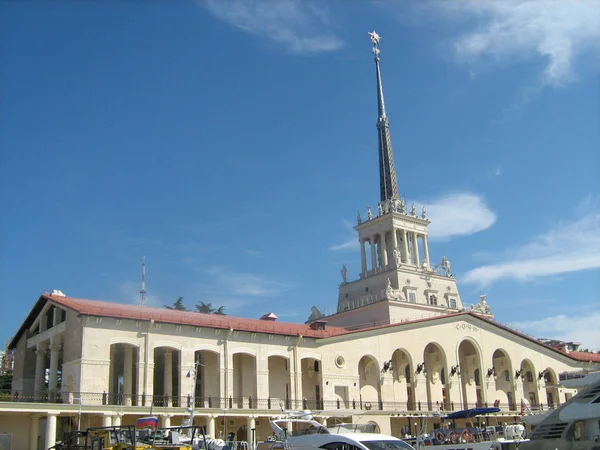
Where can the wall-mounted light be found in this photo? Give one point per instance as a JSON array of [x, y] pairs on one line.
[[541, 374], [387, 365], [420, 367], [491, 371], [518, 373], [454, 370]]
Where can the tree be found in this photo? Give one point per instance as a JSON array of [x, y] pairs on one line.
[[207, 308], [6, 381], [178, 305]]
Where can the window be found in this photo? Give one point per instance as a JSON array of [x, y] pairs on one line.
[[339, 446], [387, 445], [433, 299], [529, 376], [452, 303], [412, 297]]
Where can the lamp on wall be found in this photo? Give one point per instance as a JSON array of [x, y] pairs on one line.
[[387, 365], [454, 370], [518, 373], [491, 371], [420, 367], [541, 374]]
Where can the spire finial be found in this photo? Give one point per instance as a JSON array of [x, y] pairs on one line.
[[387, 173]]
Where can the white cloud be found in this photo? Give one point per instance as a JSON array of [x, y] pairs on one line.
[[571, 328], [556, 31], [299, 25], [349, 243], [568, 247], [246, 284], [458, 214]]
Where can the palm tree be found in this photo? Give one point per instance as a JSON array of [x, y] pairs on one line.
[[178, 305], [207, 308]]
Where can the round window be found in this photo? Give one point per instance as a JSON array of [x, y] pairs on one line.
[[340, 361]]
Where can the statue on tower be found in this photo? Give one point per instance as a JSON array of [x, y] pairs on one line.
[[369, 213], [424, 212], [358, 218], [344, 273], [413, 210], [446, 266], [397, 256], [402, 207], [482, 307]]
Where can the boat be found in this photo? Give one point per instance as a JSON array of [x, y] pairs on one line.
[[575, 425], [298, 430], [471, 437]]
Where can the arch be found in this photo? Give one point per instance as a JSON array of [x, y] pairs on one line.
[[470, 369], [503, 372], [528, 379], [208, 347], [245, 350], [369, 379], [124, 340], [122, 372], [436, 368], [403, 378], [312, 355], [279, 380], [278, 352], [244, 377], [551, 386], [312, 381], [207, 379], [166, 374], [171, 344]]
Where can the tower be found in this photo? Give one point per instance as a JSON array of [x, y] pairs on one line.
[[397, 280], [143, 290]]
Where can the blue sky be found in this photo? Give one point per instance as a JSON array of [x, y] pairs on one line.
[[232, 142]]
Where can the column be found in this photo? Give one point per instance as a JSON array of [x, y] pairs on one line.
[[106, 420], [415, 244], [127, 373], [168, 376], [426, 250], [384, 256], [210, 429], [251, 432], [405, 241], [116, 420], [373, 255], [50, 430], [363, 258], [394, 244], [52, 376], [40, 368], [167, 420], [34, 431]]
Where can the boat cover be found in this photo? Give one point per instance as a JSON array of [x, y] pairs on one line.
[[466, 413]]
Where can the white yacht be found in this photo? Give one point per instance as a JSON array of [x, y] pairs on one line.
[[298, 430], [575, 425], [471, 437]]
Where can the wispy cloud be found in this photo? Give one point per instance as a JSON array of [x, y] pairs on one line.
[[567, 247], [556, 31], [576, 328], [246, 284], [351, 239], [458, 214], [299, 25]]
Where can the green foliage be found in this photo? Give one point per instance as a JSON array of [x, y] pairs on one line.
[[207, 308], [178, 305], [6, 381]]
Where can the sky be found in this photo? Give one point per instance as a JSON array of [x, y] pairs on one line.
[[231, 143]]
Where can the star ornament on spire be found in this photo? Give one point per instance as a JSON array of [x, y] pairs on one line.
[[375, 38]]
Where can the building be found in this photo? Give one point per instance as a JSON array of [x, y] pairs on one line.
[[400, 349]]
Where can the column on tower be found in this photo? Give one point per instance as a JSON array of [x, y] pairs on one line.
[[406, 256], [415, 249], [394, 244], [363, 258], [426, 249], [373, 255], [384, 256]]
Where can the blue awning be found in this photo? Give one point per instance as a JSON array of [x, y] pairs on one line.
[[466, 413]]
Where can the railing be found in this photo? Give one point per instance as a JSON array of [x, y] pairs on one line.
[[250, 403]]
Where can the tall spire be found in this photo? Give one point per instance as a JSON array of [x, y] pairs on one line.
[[388, 187]]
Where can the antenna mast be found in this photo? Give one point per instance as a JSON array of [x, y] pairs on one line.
[[143, 290]]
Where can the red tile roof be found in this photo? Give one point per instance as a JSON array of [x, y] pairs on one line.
[[585, 356], [146, 313]]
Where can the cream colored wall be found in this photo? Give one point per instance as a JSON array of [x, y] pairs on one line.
[[19, 426]]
